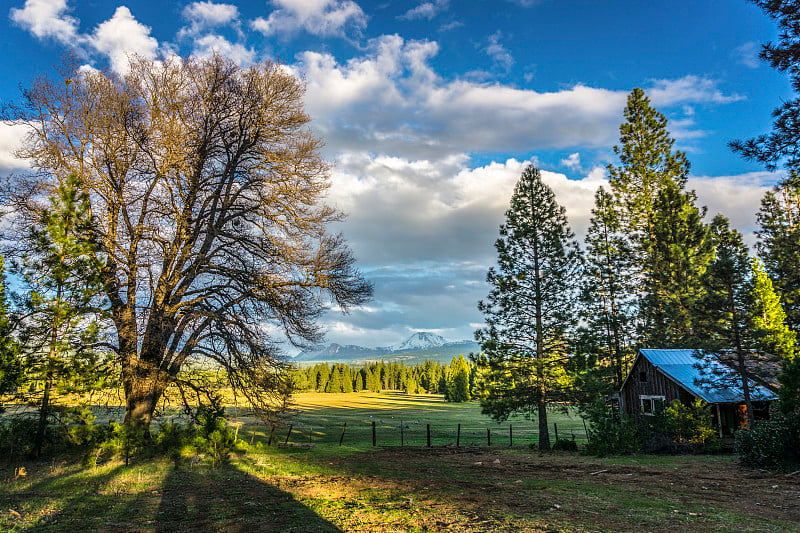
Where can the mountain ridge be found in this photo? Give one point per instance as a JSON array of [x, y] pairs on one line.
[[424, 342]]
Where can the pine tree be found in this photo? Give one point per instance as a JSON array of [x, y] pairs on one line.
[[457, 378], [678, 257], [608, 300], [668, 249], [768, 319], [530, 308], [10, 365], [62, 273], [647, 164], [722, 314], [779, 243]]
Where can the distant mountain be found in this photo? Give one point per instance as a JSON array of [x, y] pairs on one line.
[[418, 347], [421, 340]]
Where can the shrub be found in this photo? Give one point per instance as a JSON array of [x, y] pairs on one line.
[[214, 438], [772, 444], [565, 445], [610, 432]]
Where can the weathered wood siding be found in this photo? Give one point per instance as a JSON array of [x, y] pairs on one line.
[[656, 384]]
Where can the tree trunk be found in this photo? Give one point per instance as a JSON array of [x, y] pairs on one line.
[[144, 386], [544, 431], [44, 412]]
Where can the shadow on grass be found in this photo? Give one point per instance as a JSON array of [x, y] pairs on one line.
[[155, 497], [231, 500]]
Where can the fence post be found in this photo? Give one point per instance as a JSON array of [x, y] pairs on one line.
[[555, 426], [458, 436], [271, 433], [586, 430], [253, 434], [429, 435], [510, 435], [288, 435], [342, 437], [373, 433], [488, 436]]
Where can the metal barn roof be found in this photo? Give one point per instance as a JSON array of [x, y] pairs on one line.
[[693, 370]]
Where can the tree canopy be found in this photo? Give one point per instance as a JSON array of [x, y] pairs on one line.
[[207, 190]]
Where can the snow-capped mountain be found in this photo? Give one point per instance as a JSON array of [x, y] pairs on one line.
[[420, 340], [422, 343]]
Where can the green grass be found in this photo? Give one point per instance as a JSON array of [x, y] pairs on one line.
[[320, 418], [356, 487]]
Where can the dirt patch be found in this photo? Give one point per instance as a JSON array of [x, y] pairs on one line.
[[529, 492]]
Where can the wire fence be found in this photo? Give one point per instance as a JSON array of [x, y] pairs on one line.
[[408, 434]]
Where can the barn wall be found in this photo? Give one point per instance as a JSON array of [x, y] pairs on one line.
[[656, 384]]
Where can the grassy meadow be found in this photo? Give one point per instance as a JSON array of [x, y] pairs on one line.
[[357, 487]]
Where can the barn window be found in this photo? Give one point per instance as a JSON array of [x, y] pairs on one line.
[[651, 404], [643, 377]]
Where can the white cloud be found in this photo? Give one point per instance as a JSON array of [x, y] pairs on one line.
[[414, 112], [426, 10], [121, 36], [737, 197], [47, 19], [210, 44], [205, 15], [689, 89], [318, 17], [498, 52], [747, 54], [11, 137], [572, 162]]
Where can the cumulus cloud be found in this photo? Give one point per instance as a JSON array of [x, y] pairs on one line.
[[121, 36], [216, 44], [47, 19], [203, 16], [115, 38], [426, 10], [318, 17], [414, 112], [11, 136]]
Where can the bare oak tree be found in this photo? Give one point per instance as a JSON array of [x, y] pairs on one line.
[[208, 190]]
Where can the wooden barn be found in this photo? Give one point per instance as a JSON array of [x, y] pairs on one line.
[[658, 377]]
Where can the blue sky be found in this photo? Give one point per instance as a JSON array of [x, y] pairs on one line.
[[431, 109]]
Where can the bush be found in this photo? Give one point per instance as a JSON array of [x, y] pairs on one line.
[[214, 438], [690, 424], [610, 432], [772, 444], [565, 445]]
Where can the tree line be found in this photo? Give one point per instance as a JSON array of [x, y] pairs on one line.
[[456, 381]]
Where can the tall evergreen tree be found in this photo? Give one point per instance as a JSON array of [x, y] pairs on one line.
[[647, 163], [678, 256], [457, 376], [669, 250], [10, 365], [530, 307], [779, 243], [722, 314], [768, 319], [62, 272], [607, 296]]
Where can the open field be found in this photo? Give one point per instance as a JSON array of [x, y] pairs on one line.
[[356, 487], [319, 419]]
